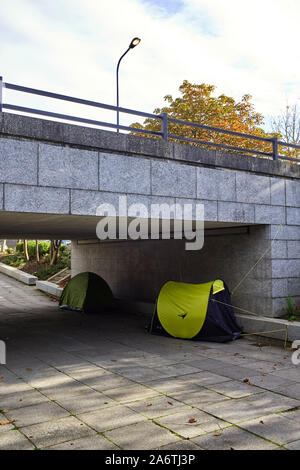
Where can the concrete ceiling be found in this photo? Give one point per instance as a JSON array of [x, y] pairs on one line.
[[20, 225]]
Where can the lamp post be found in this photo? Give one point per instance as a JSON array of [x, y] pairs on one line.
[[134, 42]]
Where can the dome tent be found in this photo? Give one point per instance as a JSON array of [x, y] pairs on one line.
[[195, 311], [87, 292]]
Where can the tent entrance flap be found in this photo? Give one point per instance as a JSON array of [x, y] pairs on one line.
[[188, 311]]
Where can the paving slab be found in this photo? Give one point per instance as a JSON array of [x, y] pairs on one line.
[[191, 423], [269, 382], [292, 374], [140, 436], [130, 393], [22, 399], [233, 439], [158, 406], [13, 440], [88, 400], [204, 378], [111, 418], [38, 413], [275, 428], [5, 427], [199, 397], [94, 442], [181, 445], [251, 407], [292, 390], [55, 432], [293, 445], [235, 389], [107, 381]]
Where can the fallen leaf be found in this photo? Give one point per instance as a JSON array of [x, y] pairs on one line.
[[217, 434], [28, 369], [170, 403], [192, 420], [246, 380], [149, 404], [1, 377], [251, 384], [262, 422], [10, 421], [236, 354], [231, 448], [5, 411]]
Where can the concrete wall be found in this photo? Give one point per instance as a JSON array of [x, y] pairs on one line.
[[137, 270]]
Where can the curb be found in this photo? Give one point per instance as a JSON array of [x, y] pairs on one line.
[[26, 278]]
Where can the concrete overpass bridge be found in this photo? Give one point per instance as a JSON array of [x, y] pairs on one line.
[[53, 177]]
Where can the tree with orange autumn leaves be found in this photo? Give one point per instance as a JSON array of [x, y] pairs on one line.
[[198, 104]]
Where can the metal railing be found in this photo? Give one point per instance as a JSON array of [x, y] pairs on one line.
[[165, 120]]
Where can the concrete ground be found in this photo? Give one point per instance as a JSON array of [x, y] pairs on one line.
[[76, 382]]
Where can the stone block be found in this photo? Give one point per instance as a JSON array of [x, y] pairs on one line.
[[66, 167], [21, 276], [265, 214], [292, 216], [293, 248], [279, 287], [285, 268], [124, 174], [253, 188], [173, 179], [293, 287], [1, 196], [216, 185], [210, 208], [88, 202], [279, 249], [293, 193], [18, 161], [235, 212], [286, 232], [49, 288], [277, 191], [19, 198]]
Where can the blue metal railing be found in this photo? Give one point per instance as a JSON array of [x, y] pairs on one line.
[[165, 120]]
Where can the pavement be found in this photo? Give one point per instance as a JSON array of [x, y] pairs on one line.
[[102, 382]]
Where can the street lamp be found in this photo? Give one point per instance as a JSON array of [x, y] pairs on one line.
[[134, 42]]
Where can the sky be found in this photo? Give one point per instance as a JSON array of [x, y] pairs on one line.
[[73, 46]]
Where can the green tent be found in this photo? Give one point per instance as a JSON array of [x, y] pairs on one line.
[[87, 292], [195, 311]]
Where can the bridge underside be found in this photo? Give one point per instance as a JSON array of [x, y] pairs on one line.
[[21, 225]]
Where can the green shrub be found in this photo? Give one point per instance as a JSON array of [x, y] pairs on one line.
[[290, 309], [44, 248], [9, 250]]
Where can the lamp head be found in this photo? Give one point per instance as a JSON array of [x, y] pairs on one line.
[[134, 42]]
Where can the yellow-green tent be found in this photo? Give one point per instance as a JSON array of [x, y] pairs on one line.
[[195, 311]]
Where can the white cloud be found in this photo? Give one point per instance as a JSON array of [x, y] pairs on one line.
[[72, 47]]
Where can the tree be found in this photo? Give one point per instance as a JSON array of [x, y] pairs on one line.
[[54, 249], [37, 253], [287, 125], [25, 249], [198, 104]]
